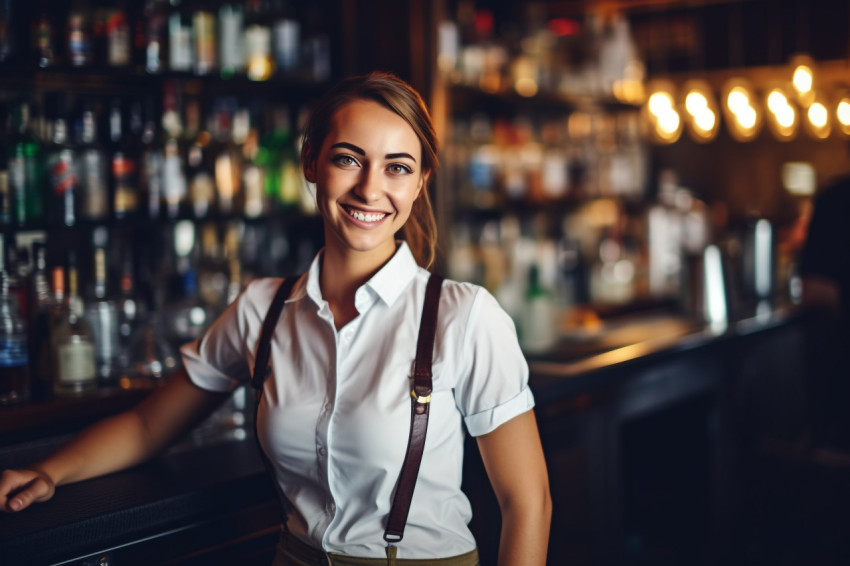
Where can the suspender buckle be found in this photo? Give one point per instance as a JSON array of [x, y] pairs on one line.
[[421, 399]]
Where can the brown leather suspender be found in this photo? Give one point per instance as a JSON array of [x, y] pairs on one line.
[[420, 394], [420, 403]]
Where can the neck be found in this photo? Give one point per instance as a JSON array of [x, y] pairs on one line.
[[343, 272]]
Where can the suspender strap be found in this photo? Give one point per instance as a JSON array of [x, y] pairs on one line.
[[261, 362], [420, 395], [261, 365], [420, 403]]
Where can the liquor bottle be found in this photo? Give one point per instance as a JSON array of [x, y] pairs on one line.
[[538, 330], [180, 44], [130, 310], [231, 20], [203, 30], [125, 197], [118, 39], [282, 180], [92, 163], [43, 305], [151, 188], [80, 34], [156, 35], [259, 63], [14, 365], [229, 131], [102, 316], [201, 184], [44, 38], [286, 37], [72, 348], [25, 168], [62, 166]]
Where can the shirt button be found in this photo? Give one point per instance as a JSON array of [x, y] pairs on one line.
[[322, 450]]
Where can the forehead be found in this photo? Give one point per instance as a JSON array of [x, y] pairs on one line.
[[374, 126]]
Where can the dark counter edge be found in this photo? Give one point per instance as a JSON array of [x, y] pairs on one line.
[[552, 379], [171, 493]]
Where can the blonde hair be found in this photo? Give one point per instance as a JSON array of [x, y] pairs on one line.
[[420, 230]]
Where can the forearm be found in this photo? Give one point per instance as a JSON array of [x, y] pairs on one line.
[[525, 533], [110, 445]]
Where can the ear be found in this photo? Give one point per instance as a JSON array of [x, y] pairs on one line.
[[423, 181], [310, 166], [310, 171]]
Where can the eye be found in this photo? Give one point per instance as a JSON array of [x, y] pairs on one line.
[[344, 160], [399, 169]]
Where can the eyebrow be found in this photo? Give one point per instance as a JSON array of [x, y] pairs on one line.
[[359, 151]]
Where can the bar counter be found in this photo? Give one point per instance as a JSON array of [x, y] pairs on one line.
[[663, 387]]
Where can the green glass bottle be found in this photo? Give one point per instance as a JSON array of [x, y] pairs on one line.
[[25, 169]]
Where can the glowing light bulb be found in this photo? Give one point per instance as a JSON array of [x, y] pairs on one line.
[[668, 122], [802, 79], [705, 120], [786, 116], [738, 100], [818, 115], [695, 102], [659, 103], [747, 117], [776, 101], [842, 112]]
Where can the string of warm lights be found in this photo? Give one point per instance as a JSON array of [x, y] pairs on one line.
[[786, 106]]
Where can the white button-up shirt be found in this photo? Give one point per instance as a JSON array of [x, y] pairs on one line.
[[335, 412]]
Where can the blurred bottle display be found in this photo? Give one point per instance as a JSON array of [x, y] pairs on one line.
[[100, 171], [254, 38]]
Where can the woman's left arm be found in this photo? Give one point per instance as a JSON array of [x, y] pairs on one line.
[[513, 457]]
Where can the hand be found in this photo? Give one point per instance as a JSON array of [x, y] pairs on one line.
[[20, 488]]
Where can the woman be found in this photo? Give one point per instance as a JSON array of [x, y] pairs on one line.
[[335, 411]]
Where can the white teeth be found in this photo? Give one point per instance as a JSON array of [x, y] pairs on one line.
[[366, 217]]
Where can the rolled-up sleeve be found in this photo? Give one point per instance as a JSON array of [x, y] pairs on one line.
[[494, 384], [219, 361]]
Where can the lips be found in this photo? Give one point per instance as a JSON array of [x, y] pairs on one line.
[[362, 216]]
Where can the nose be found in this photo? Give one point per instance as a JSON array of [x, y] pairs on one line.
[[370, 185]]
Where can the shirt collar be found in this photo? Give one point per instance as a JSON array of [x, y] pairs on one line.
[[388, 283]]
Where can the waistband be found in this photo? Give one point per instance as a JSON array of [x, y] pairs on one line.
[[292, 551]]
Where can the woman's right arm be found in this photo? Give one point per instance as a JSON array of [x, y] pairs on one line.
[[114, 443]]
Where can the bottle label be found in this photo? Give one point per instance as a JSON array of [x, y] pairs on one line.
[[13, 352], [76, 362]]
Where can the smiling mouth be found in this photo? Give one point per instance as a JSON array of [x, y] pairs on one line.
[[365, 216]]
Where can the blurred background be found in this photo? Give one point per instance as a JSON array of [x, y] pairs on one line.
[[633, 180]]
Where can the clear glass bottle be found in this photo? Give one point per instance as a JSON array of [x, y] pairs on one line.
[[72, 346], [62, 167], [14, 365], [102, 316], [231, 32]]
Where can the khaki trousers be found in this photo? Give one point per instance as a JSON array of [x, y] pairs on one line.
[[293, 552]]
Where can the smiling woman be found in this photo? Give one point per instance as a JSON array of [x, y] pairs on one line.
[[339, 409]]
